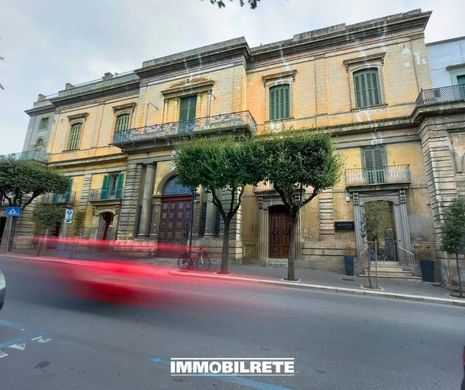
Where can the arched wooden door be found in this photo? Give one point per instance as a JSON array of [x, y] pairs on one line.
[[175, 217], [279, 232]]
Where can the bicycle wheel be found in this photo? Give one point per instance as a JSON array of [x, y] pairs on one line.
[[183, 261], [202, 262]]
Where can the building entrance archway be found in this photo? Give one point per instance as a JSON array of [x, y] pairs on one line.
[[175, 217]]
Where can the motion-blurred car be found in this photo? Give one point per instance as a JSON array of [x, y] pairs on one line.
[[2, 289]]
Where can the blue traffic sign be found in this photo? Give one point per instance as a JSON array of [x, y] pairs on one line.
[[13, 211]]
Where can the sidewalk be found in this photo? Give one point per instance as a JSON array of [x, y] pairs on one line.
[[324, 281]]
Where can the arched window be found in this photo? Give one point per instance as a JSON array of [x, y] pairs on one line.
[[279, 102], [367, 90], [122, 122], [174, 187], [75, 136]]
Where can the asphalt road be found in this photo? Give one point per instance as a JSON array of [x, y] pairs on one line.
[[52, 341]]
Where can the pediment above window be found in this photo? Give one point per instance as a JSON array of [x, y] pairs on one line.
[[369, 60]]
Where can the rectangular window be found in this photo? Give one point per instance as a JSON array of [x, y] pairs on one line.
[[279, 102], [374, 165], [43, 123], [461, 83], [75, 136], [367, 91], [187, 111], [112, 187], [122, 122]]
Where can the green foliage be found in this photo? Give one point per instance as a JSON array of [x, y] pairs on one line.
[[453, 228], [79, 218], [374, 222], [294, 161], [220, 3], [21, 181], [48, 216], [217, 163]]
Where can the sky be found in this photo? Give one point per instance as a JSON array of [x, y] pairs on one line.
[[47, 43]]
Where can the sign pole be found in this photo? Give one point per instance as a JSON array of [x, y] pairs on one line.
[[7, 246]]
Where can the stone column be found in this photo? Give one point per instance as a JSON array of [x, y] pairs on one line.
[[144, 225], [210, 219]]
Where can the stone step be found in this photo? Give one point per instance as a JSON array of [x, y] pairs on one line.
[[390, 276], [402, 273]]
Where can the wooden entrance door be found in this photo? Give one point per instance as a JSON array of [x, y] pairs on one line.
[[279, 232], [175, 220]]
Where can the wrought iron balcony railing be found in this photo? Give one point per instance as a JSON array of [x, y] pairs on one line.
[[39, 155], [65, 198], [394, 174], [100, 194], [229, 121], [448, 94]]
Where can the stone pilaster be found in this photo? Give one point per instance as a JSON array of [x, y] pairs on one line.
[[149, 180], [326, 208], [210, 219], [130, 202], [85, 190]]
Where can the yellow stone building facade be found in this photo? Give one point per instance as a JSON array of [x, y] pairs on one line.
[[115, 138]]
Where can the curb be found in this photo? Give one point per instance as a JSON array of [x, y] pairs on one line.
[[306, 286]]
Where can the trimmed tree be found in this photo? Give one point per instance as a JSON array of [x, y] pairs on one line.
[[300, 165], [47, 217], [453, 233], [374, 227], [225, 164], [22, 181]]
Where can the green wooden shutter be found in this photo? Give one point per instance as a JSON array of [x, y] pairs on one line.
[[273, 99], [279, 102], [119, 186], [75, 136], [122, 122], [104, 193], [69, 190], [374, 165], [367, 91], [461, 83]]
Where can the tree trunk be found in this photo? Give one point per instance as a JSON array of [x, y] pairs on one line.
[[292, 243], [458, 275], [225, 249]]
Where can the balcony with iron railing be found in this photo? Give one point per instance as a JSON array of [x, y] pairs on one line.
[[449, 94], [105, 195], [54, 198], [39, 155], [394, 174], [232, 121]]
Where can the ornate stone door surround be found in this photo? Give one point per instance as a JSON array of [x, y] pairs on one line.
[[399, 201]]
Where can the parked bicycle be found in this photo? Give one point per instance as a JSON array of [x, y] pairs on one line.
[[199, 261]]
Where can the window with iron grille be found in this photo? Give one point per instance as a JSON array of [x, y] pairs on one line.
[[367, 90], [279, 102], [122, 122], [75, 136]]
